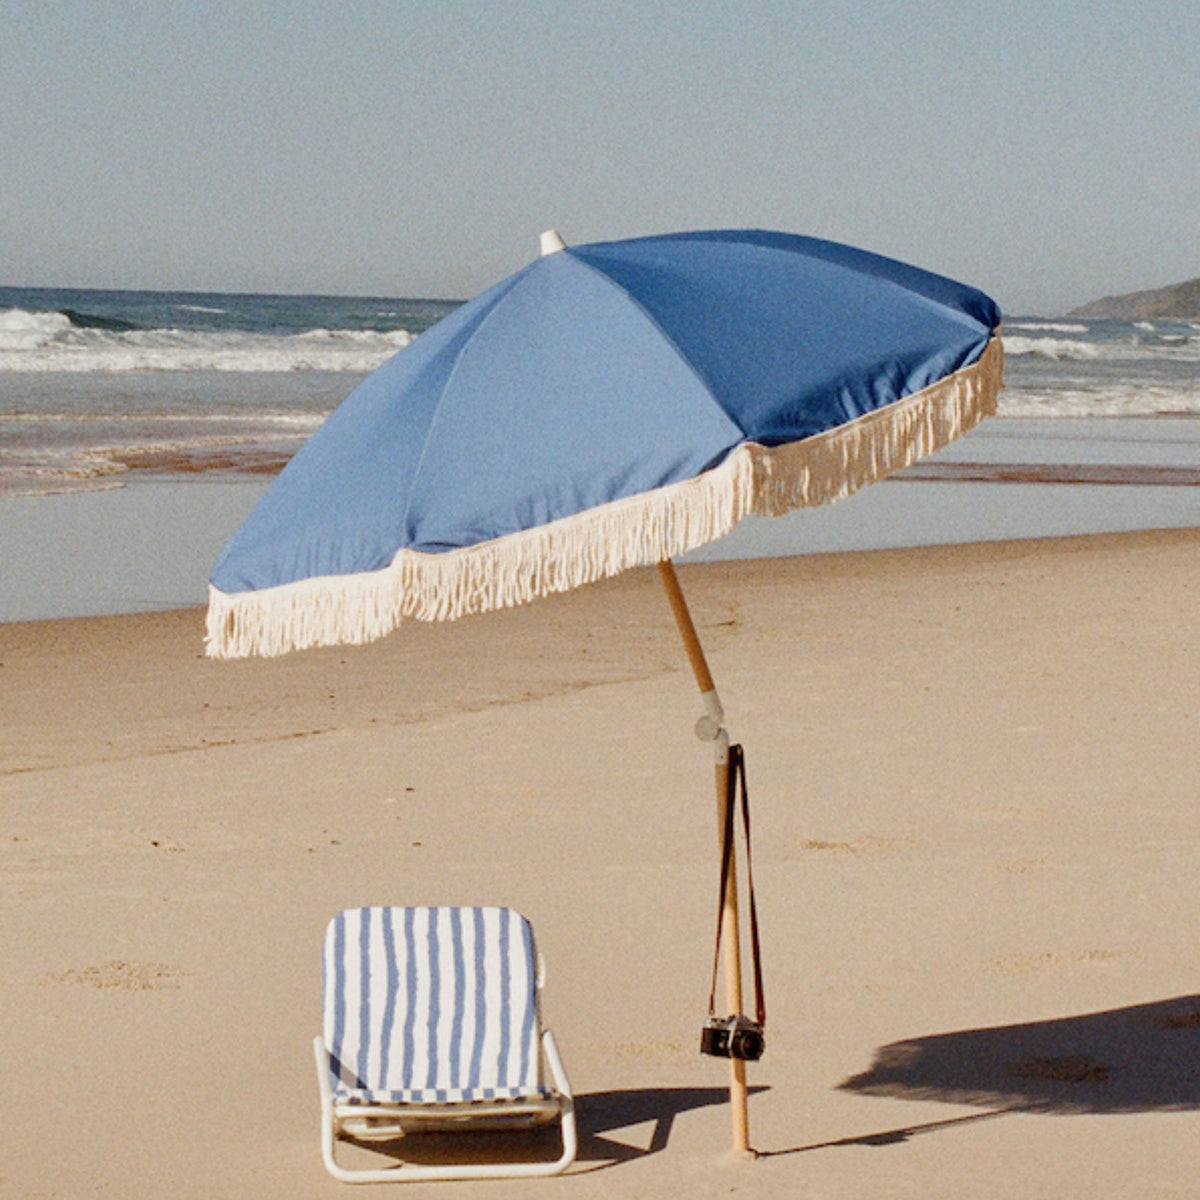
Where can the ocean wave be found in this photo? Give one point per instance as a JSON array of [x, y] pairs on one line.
[[84, 320], [1046, 326], [1048, 347], [71, 341], [1168, 339], [1128, 400], [1158, 346], [21, 331]]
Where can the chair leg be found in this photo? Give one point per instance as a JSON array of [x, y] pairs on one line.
[[401, 1174], [570, 1137], [328, 1132]]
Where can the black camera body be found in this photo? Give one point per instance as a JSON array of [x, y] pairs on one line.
[[732, 1037]]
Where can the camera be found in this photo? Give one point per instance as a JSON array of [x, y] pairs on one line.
[[732, 1037]]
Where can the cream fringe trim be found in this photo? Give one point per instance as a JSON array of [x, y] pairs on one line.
[[604, 541]]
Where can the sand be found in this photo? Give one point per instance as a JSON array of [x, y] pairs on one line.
[[974, 777]]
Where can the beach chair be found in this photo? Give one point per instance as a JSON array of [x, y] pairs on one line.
[[432, 1024]]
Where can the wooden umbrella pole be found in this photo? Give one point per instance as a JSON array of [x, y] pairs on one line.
[[710, 727]]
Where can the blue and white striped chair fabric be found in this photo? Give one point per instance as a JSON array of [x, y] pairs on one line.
[[432, 1024], [431, 1005]]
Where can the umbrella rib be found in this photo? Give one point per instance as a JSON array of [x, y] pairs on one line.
[[687, 363], [498, 294]]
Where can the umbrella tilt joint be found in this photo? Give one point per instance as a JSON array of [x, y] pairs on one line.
[[711, 726]]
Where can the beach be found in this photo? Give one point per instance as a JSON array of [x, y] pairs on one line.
[[319, 323], [968, 696], [973, 775]]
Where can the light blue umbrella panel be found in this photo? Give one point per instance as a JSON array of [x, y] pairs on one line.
[[608, 406]]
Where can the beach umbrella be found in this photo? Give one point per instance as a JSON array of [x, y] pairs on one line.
[[609, 406]]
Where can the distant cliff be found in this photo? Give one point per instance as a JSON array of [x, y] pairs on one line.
[[1182, 300]]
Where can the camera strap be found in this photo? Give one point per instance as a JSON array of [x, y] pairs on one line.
[[735, 789]]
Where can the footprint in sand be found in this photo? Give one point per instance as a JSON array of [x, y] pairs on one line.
[[1023, 866], [121, 976], [862, 845], [1072, 1068], [1188, 1020], [1027, 964], [652, 1050]]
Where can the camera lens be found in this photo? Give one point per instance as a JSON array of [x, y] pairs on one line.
[[748, 1044]]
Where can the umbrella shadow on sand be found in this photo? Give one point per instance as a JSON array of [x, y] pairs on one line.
[[1126, 1060]]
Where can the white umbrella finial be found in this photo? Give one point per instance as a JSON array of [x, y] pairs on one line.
[[552, 242]]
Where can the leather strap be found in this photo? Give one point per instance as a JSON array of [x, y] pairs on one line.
[[735, 788]]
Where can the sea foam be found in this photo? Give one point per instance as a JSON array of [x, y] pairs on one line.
[[53, 341], [1049, 347]]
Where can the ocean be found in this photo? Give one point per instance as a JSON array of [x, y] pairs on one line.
[[101, 389], [105, 392]]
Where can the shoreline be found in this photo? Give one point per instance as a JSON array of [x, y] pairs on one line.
[[150, 545]]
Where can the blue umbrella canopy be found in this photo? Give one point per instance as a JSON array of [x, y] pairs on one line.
[[609, 406]]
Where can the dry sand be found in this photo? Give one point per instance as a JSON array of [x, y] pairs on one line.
[[974, 773]]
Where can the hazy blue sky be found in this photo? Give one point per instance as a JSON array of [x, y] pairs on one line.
[[1046, 151]]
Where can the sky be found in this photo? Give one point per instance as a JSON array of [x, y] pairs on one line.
[[1045, 151]]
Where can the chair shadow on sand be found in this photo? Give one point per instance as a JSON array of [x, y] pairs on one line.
[[1127, 1060], [599, 1115]]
